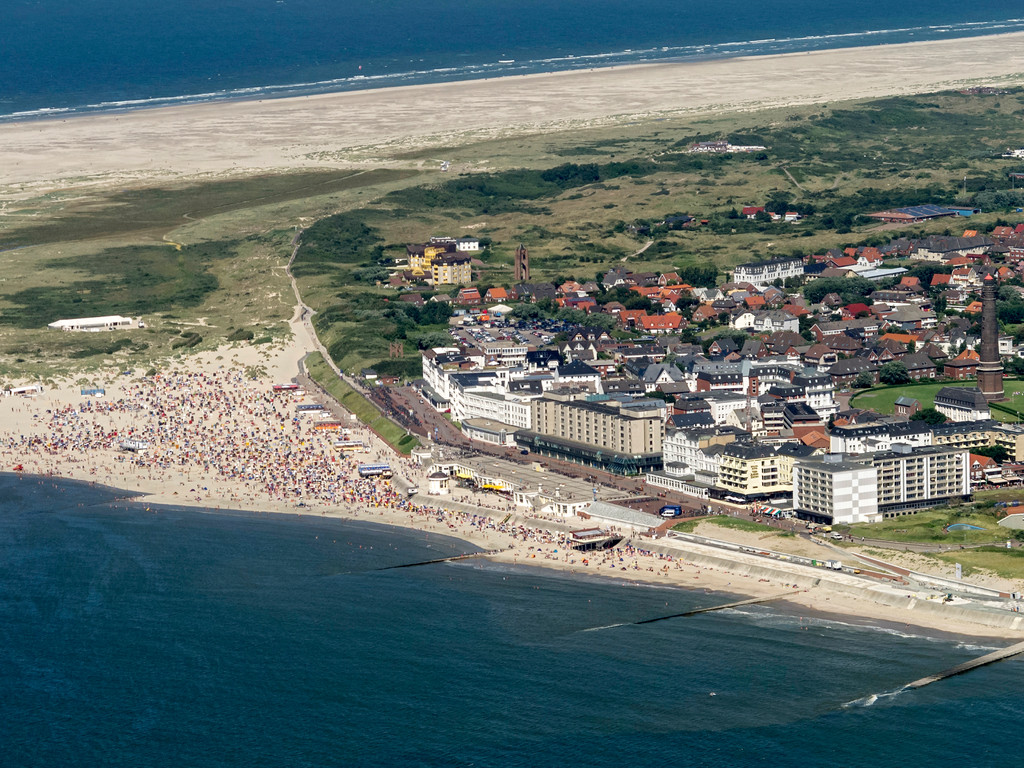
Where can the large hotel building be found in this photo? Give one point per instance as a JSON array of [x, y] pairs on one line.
[[865, 489], [619, 435]]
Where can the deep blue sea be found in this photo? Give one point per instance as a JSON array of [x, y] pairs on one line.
[[166, 637], [68, 56]]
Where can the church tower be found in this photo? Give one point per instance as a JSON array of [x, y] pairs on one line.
[[990, 366], [522, 266]]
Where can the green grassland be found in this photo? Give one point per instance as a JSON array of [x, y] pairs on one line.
[[198, 279], [883, 399], [574, 201], [203, 261], [929, 526], [986, 549], [736, 523]]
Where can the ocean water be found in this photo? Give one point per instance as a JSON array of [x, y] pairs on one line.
[[167, 637], [68, 56]]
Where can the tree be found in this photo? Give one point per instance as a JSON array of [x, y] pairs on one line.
[[431, 340], [997, 452], [1014, 366], [526, 312], [864, 380], [929, 416], [851, 289], [700, 275], [894, 373]]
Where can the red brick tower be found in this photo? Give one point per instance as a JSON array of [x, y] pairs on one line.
[[990, 368], [522, 267]]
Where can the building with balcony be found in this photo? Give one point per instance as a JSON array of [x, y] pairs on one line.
[[834, 489]]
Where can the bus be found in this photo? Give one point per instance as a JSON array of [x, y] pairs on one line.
[[349, 446], [375, 470]]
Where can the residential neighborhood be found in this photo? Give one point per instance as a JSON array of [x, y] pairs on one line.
[[738, 389]]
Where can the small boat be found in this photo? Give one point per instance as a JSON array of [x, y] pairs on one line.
[[506, 61]]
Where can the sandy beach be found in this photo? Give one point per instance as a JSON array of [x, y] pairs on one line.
[[222, 440], [366, 128]]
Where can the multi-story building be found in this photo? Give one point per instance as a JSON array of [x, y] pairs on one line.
[[867, 438], [451, 269], [682, 447], [833, 489], [980, 434], [749, 472], [512, 410], [843, 489], [505, 353], [962, 404], [910, 478], [620, 435], [692, 458], [764, 273], [819, 392], [724, 404]]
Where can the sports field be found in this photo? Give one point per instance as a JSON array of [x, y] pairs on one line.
[[882, 400]]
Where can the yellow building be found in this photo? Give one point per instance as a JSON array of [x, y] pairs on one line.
[[981, 434], [421, 257], [452, 269], [754, 470]]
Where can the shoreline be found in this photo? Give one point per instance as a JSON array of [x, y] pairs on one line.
[[368, 127], [318, 89], [221, 440], [678, 569]]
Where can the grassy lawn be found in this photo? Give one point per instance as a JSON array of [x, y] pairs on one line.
[[738, 524], [1008, 563], [929, 526], [882, 400], [364, 410]]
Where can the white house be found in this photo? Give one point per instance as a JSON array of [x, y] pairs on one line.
[[92, 324], [962, 404]]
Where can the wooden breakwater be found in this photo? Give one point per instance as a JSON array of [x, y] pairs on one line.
[[450, 559], [709, 609], [967, 666]]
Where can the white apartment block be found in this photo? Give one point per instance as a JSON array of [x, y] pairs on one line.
[[915, 478], [837, 490], [505, 354], [844, 489], [870, 438], [513, 410]]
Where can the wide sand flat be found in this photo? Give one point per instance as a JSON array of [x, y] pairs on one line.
[[364, 127]]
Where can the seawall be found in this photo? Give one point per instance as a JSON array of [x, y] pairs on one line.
[[808, 577]]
